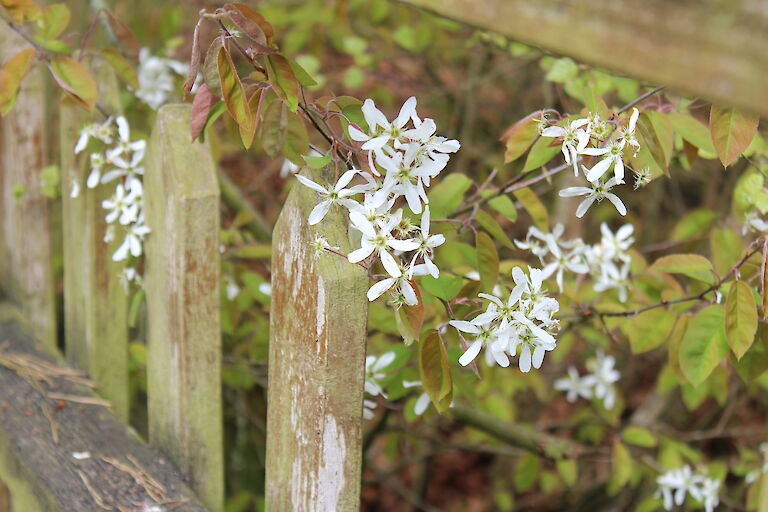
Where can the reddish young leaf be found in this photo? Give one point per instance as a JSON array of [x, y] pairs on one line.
[[415, 313], [520, 136], [201, 106], [254, 105], [263, 24], [11, 75], [124, 35], [284, 81], [732, 132], [211, 67], [435, 371], [194, 61], [75, 79], [274, 126], [22, 10], [247, 26], [234, 94]]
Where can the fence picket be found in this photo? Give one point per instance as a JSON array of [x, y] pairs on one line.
[[26, 270], [316, 364], [182, 284], [95, 304]]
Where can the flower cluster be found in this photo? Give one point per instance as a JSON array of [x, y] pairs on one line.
[[525, 321], [608, 262], [119, 161], [156, 81], [403, 160], [609, 143], [676, 483], [598, 384]]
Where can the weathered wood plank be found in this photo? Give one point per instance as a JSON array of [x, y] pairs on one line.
[[95, 304], [709, 48], [44, 475], [182, 283], [316, 364], [26, 272]]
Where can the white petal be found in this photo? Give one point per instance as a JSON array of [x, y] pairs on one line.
[[122, 128], [584, 206], [574, 191], [356, 134], [421, 404], [524, 362], [376, 143], [93, 179], [318, 212], [599, 169], [311, 184], [373, 116], [379, 288], [553, 131], [594, 151], [538, 356], [465, 326], [406, 112], [390, 265], [617, 203], [471, 353], [345, 179], [360, 254]]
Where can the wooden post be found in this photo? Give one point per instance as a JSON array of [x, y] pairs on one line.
[[26, 272], [709, 48], [316, 363], [95, 303], [182, 283]]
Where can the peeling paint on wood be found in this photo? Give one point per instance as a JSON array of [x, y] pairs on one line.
[[316, 364], [95, 304], [26, 272], [710, 48], [182, 283]]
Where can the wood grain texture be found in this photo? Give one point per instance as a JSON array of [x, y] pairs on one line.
[[95, 303], [41, 474], [26, 272], [182, 284], [710, 48], [316, 363]]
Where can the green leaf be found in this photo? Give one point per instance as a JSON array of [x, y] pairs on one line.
[[527, 471], [692, 130], [435, 371], [649, 329], [11, 75], [405, 328], [318, 162], [563, 69], [283, 80], [520, 136], [75, 79], [21, 10], [755, 361], [542, 152], [301, 74], [732, 132], [487, 260], [296, 140], [694, 223], [505, 206], [740, 318], [447, 195], [648, 139], [725, 247], [53, 21], [568, 469], [691, 265], [492, 227], [639, 436], [445, 287], [123, 69], [621, 464], [534, 207], [704, 344], [274, 127], [234, 96]]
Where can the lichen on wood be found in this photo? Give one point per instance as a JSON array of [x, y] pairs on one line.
[[182, 283], [316, 362]]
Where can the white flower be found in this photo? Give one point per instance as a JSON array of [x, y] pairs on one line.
[[603, 378], [596, 193], [368, 407], [574, 385], [485, 334], [676, 483], [132, 242], [266, 289], [332, 195], [373, 372], [422, 402], [380, 239], [320, 244], [427, 243], [123, 207], [381, 131], [575, 140], [156, 81], [563, 261], [125, 146], [401, 283], [232, 290], [613, 157], [104, 132], [612, 276], [617, 244]]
